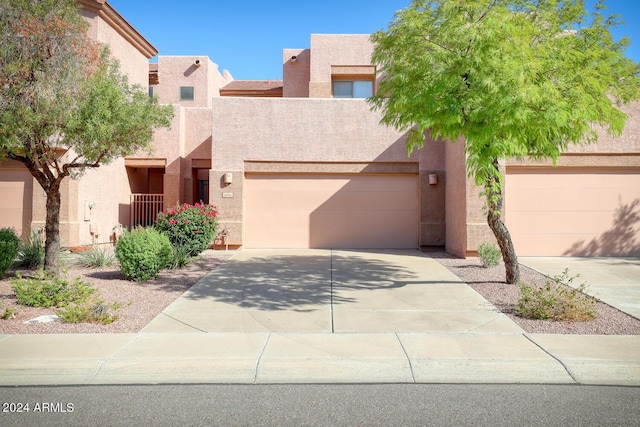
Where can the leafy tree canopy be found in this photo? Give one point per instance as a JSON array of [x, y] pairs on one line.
[[513, 78], [65, 106]]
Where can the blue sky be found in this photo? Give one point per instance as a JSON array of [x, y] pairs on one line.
[[247, 37]]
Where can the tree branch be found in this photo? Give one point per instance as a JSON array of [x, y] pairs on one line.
[[74, 165]]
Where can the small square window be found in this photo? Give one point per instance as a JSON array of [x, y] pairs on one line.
[[186, 93], [362, 89], [342, 89]]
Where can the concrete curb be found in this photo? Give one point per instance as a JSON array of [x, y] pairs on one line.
[[270, 358]]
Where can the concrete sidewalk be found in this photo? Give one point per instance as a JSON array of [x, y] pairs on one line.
[[324, 317]]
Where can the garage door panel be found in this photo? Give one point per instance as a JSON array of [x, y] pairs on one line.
[[574, 212], [353, 219], [368, 201], [564, 199], [550, 178], [16, 190], [575, 222], [331, 211]]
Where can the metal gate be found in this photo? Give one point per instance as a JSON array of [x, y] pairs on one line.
[[145, 209]]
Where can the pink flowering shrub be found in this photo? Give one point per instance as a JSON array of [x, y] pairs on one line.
[[190, 228]]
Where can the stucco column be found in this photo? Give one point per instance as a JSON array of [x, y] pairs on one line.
[[228, 198]]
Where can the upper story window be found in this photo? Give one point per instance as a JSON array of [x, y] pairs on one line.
[[352, 88], [353, 81], [187, 93]]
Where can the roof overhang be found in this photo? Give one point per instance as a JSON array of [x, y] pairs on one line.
[[118, 23], [145, 163]]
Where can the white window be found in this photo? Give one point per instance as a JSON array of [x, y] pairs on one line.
[[352, 88]]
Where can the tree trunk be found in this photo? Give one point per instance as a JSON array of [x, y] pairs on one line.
[[493, 190], [52, 230]]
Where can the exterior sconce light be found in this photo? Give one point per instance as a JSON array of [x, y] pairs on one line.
[[227, 178], [433, 179], [294, 58], [197, 63]]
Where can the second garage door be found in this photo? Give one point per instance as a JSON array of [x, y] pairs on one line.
[[331, 211], [579, 212], [16, 189]]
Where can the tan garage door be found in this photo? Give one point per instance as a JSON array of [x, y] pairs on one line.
[[331, 211], [16, 190], [579, 212]]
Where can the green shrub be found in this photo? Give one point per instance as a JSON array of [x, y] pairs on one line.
[[9, 245], [47, 290], [142, 253], [7, 314], [179, 258], [189, 227], [557, 301], [489, 254], [97, 257], [90, 312], [31, 252]]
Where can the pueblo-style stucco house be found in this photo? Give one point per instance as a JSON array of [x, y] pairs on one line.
[[305, 163]]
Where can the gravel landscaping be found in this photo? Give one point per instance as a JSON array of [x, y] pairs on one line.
[[489, 282], [143, 301]]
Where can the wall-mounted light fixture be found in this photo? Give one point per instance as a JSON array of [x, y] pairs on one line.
[[227, 178], [433, 179], [89, 205]]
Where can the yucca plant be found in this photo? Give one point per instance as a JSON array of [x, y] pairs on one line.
[[98, 256], [31, 252]]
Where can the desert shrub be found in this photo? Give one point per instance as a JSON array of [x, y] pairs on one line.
[[90, 312], [179, 258], [557, 301], [97, 257], [31, 252], [489, 254], [142, 253], [9, 245], [6, 313], [48, 290], [192, 227]]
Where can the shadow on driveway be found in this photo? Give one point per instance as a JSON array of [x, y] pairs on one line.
[[300, 282]]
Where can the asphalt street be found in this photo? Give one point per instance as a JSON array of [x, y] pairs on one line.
[[322, 405]]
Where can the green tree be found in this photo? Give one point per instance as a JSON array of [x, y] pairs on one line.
[[512, 78], [64, 105]]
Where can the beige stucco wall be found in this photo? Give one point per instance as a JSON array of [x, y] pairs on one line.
[[628, 142], [197, 150], [292, 129], [621, 151], [185, 147], [296, 74], [456, 199], [107, 186], [335, 49], [133, 63], [176, 71], [292, 132]]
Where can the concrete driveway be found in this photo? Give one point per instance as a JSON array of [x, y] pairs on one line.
[[616, 281], [322, 316], [331, 291]]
